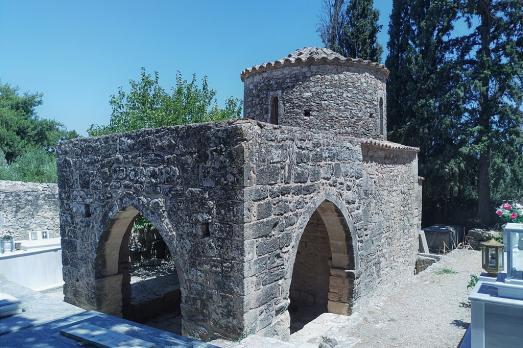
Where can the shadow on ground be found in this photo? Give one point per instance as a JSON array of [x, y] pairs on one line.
[[460, 323]]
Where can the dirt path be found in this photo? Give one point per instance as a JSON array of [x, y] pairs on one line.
[[429, 311]]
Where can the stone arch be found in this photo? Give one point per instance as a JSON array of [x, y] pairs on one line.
[[112, 277], [323, 262]]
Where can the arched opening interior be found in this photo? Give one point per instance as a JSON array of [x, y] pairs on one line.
[[323, 272], [136, 275]]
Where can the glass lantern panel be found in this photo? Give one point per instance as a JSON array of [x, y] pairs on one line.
[[516, 249], [501, 259], [492, 258]]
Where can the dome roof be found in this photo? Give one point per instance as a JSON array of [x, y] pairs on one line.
[[314, 56]]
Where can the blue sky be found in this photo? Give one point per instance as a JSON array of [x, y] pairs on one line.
[[78, 53]]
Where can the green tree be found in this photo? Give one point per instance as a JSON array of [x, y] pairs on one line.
[[492, 57], [459, 98], [506, 176], [360, 32], [34, 165], [424, 99], [331, 23], [27, 142], [351, 29], [148, 105]]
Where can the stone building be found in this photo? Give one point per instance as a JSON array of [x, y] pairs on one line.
[[269, 224]]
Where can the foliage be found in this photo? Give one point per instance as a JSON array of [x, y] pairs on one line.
[[351, 29], [506, 176], [445, 270], [424, 101], [147, 248], [148, 105], [472, 281], [492, 60], [27, 143], [142, 224], [510, 212], [331, 23], [35, 165], [459, 98], [360, 32], [20, 128]]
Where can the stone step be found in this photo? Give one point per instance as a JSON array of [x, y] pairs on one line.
[[101, 337], [9, 305], [6, 299]]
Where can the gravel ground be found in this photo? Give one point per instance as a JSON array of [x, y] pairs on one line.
[[431, 310]]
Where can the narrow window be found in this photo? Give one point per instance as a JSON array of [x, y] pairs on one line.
[[274, 110], [382, 126], [205, 230], [87, 210]]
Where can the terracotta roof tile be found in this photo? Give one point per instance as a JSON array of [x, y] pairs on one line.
[[310, 56], [388, 145]]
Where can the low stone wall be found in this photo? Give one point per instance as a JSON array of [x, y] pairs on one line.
[[27, 207], [423, 261], [476, 236]]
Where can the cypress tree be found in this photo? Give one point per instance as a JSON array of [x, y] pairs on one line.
[[459, 98], [359, 38], [492, 56], [351, 28], [424, 99]]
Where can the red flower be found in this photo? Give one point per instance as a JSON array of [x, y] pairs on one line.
[[507, 206], [514, 216], [499, 212]]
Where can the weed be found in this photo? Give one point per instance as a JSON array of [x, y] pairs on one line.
[[445, 270], [472, 281]]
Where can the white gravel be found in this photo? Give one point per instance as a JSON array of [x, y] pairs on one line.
[[431, 310]]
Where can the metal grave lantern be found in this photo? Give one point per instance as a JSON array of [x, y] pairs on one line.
[[514, 242], [492, 256]]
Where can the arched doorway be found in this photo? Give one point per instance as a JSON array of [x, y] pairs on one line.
[[135, 273], [323, 271]]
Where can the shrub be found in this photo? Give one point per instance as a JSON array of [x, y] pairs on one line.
[[35, 165]]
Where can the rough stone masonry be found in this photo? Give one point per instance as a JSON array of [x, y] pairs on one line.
[[28, 210], [244, 205]]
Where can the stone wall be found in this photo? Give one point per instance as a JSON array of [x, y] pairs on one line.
[[343, 99], [365, 191], [28, 207], [187, 181], [232, 200]]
